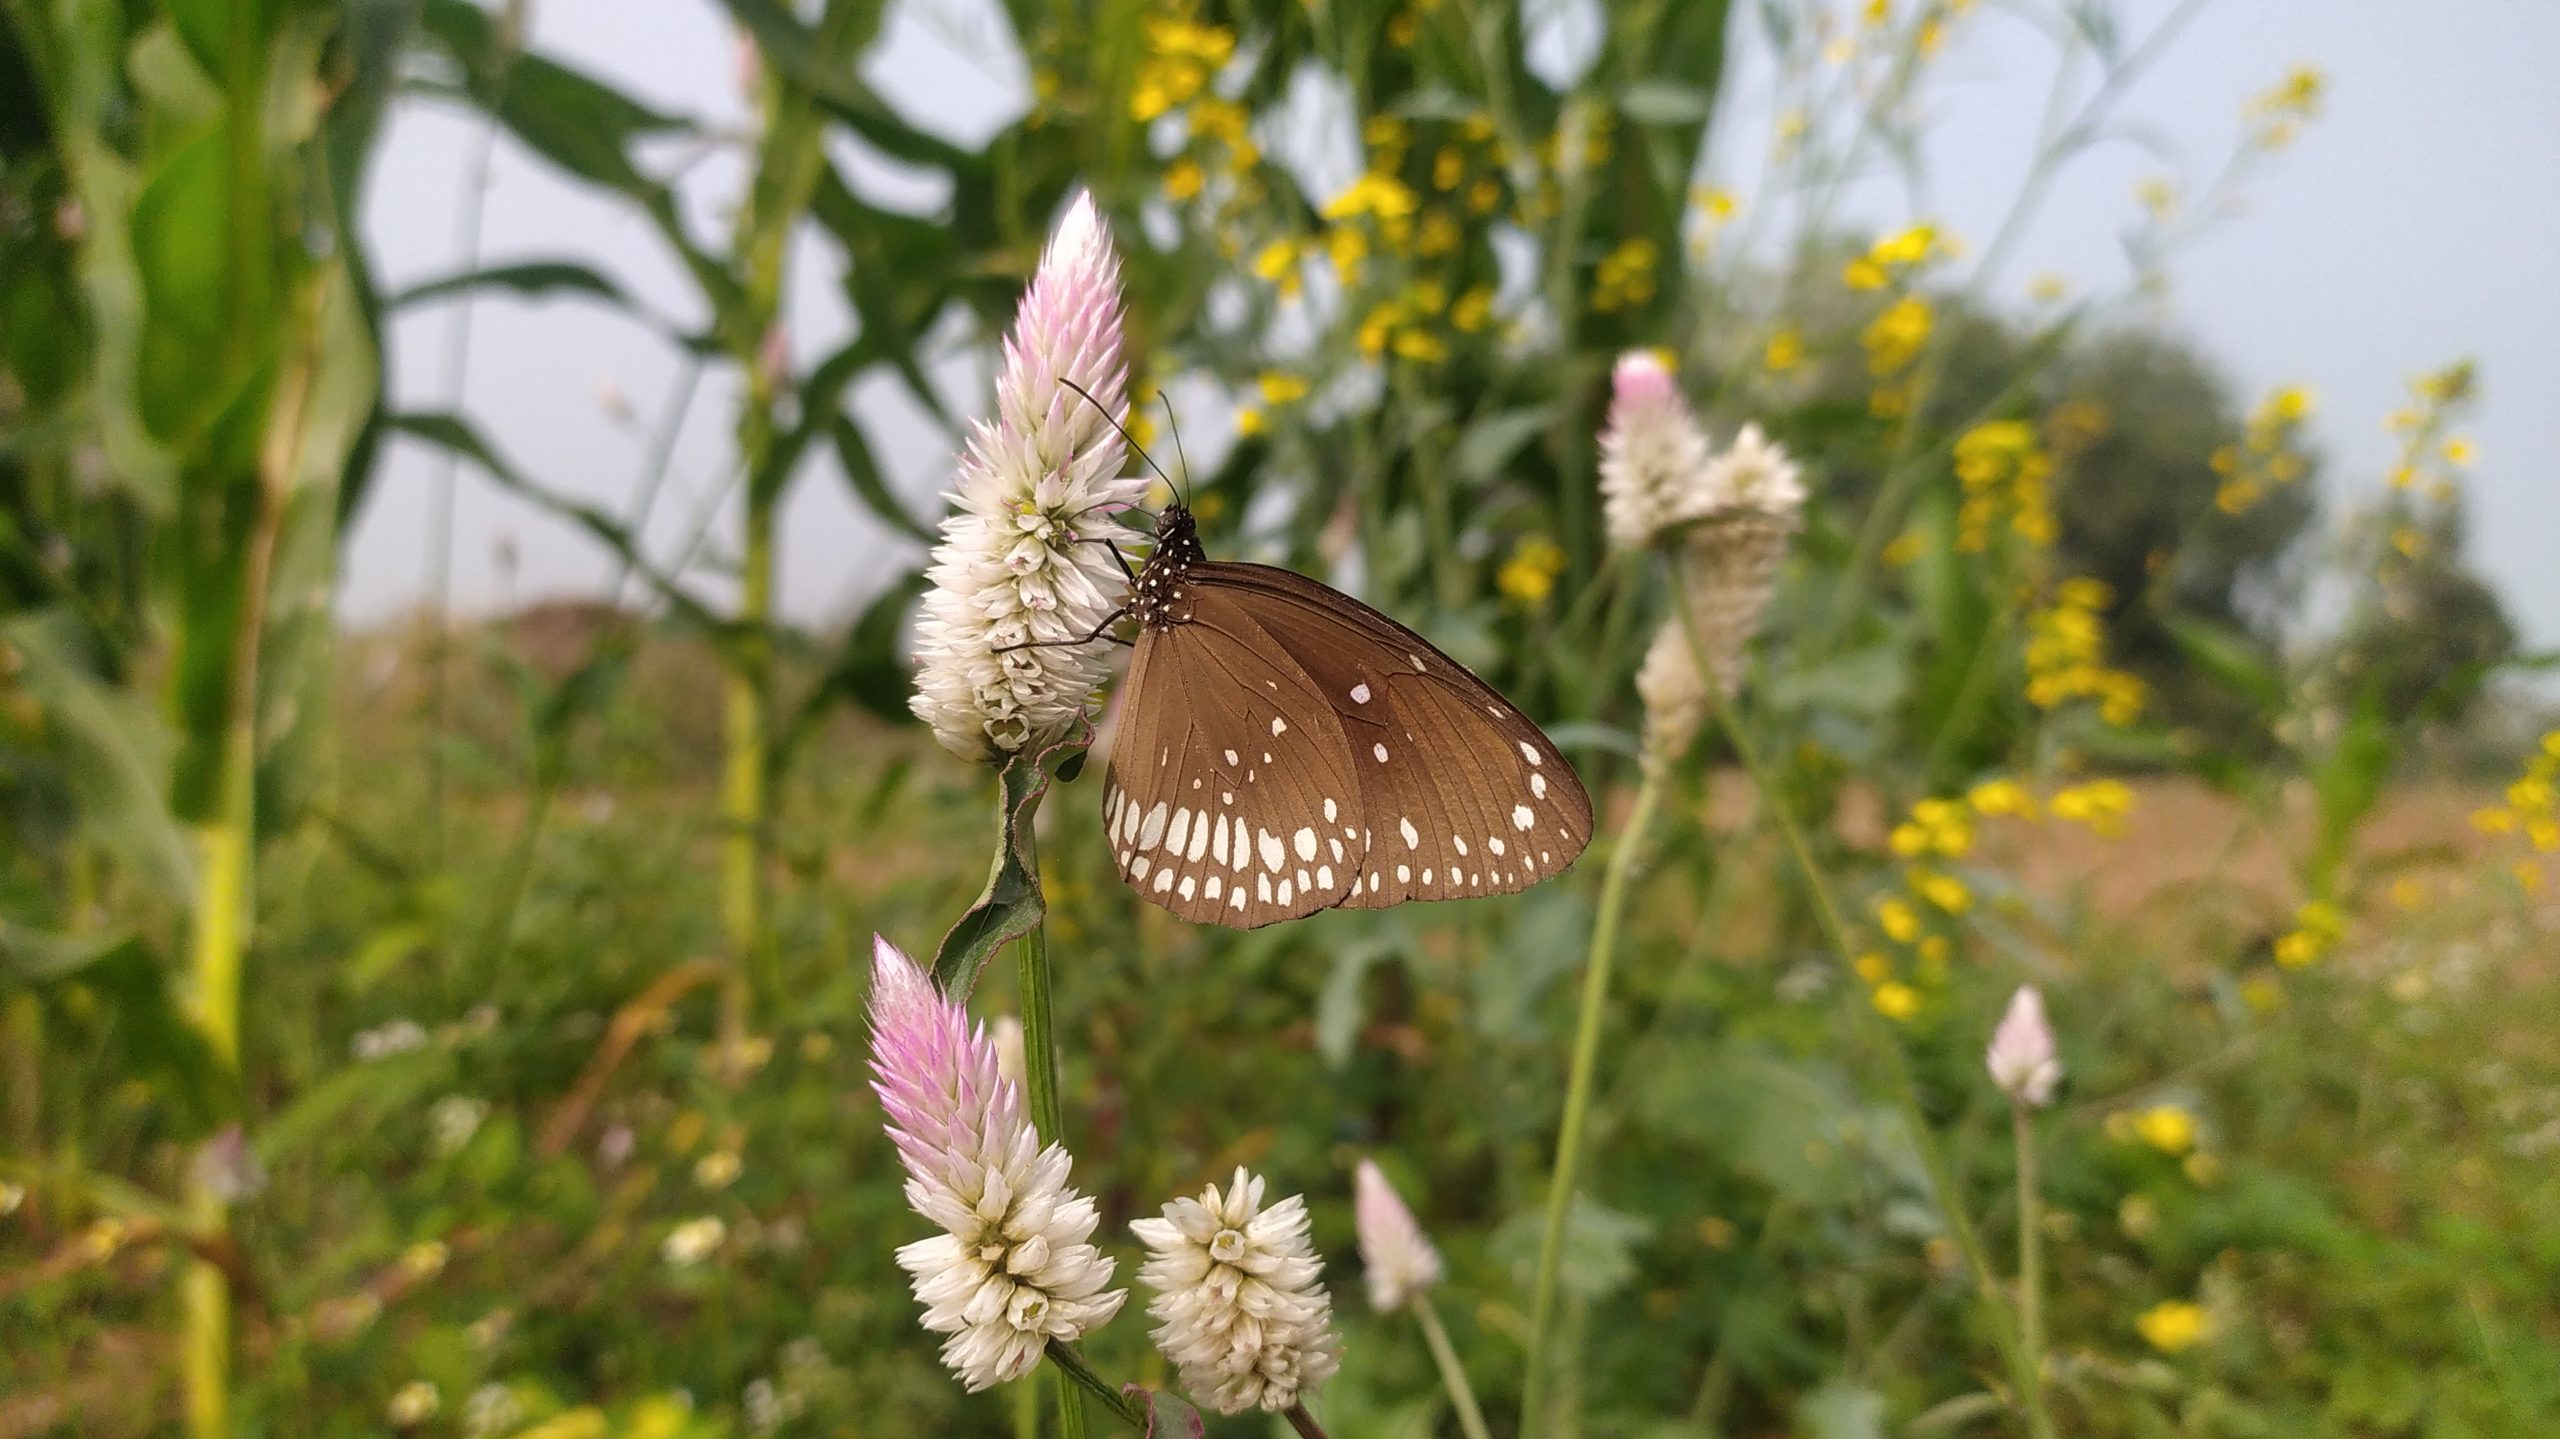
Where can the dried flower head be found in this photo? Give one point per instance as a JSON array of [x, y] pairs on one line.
[[1400, 1262], [1239, 1293], [1653, 456], [1024, 556], [1014, 1266], [1674, 694], [2022, 1059]]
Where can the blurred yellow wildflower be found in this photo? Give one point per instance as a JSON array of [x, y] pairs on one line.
[[1943, 890], [1278, 263], [1893, 339], [1904, 548], [2004, 470], [1280, 387], [1472, 310], [2066, 655], [1898, 919], [2167, 1128], [2532, 805], [1624, 277], [2001, 797], [1896, 1000], [1184, 179], [2276, 116], [1181, 58], [2173, 1326], [2102, 805], [1784, 352], [1529, 575], [1874, 968], [2317, 928], [1251, 421]]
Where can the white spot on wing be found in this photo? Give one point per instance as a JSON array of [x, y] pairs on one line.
[[1412, 836], [1324, 876], [1199, 837], [1164, 880], [1232, 756], [1531, 751], [1180, 832], [1272, 857], [1262, 888], [1494, 844], [1404, 874], [1360, 693], [1152, 831], [1304, 841], [1235, 899], [1138, 867], [1213, 887], [1285, 891], [1373, 883], [1279, 726], [1380, 751], [1461, 842], [1521, 817], [1538, 785], [1217, 842], [1332, 811]]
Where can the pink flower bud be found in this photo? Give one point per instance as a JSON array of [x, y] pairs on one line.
[[2022, 1060]]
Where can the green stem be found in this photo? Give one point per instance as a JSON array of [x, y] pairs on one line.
[[2030, 1266], [1577, 1099], [1304, 1422], [1453, 1377], [1077, 1375], [1040, 1074]]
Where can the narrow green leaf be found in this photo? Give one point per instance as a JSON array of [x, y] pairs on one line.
[[1012, 903], [862, 472]]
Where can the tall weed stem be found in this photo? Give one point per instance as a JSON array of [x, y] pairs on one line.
[[1577, 1099], [1453, 1376]]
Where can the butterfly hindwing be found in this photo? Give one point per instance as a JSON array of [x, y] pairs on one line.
[[1232, 798], [1460, 794]]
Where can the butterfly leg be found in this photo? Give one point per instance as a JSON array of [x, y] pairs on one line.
[[1096, 633]]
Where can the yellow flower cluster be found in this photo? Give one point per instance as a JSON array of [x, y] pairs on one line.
[[2276, 116], [1892, 258], [2005, 471], [2431, 458], [2067, 655], [2532, 809], [1893, 339], [1623, 280], [2317, 927], [2269, 455], [1182, 57], [1529, 575]]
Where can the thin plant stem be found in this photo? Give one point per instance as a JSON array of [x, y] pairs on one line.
[[1872, 1032], [1040, 1074], [1026, 1407], [1577, 1098], [1304, 1422], [2030, 1259], [1075, 1375], [1453, 1377]]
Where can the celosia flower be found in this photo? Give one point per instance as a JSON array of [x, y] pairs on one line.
[[1399, 1260], [1239, 1293], [1674, 694], [1653, 456], [1025, 555], [1755, 473], [2022, 1059], [1014, 1266]]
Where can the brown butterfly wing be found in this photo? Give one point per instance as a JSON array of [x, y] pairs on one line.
[[1232, 797], [1460, 794]]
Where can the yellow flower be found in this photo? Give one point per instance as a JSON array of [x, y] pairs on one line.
[[2173, 1326], [2262, 994], [1529, 575], [1905, 548], [1448, 168], [1473, 309], [1251, 421], [1785, 351], [1484, 195], [1440, 235], [1421, 346], [1943, 890], [1346, 246], [1896, 1000], [1893, 339], [1863, 274], [2158, 196], [1184, 179], [2167, 1128], [1899, 920], [1874, 968], [1278, 263], [2100, 804], [2001, 797], [1374, 193], [2047, 288], [1280, 388], [2458, 451], [1907, 248], [1718, 205]]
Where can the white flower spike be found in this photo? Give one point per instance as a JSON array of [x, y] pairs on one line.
[[1653, 457], [1400, 1262], [2022, 1058], [1240, 1296], [1025, 554], [1015, 1266]]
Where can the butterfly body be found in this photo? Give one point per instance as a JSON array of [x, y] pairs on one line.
[[1284, 748]]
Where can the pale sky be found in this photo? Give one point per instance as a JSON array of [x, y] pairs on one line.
[[2418, 221]]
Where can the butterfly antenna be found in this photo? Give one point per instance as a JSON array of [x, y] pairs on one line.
[[1114, 421], [1181, 461]]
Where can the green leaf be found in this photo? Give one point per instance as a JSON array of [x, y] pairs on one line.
[[531, 279], [1663, 102], [152, 1037], [1491, 440], [1544, 942], [114, 748], [1011, 905], [861, 471], [1339, 1005], [2230, 658], [1599, 1253]]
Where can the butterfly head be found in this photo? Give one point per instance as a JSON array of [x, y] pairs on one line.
[[1161, 599]]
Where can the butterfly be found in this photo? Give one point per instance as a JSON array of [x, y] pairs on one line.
[[1284, 748]]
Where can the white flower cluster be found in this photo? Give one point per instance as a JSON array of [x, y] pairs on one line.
[[1239, 1293], [1024, 557], [1653, 456]]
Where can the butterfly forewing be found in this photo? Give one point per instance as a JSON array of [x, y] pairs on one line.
[[1460, 793], [1232, 798]]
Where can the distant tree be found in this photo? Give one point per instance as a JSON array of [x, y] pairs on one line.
[[2428, 634]]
